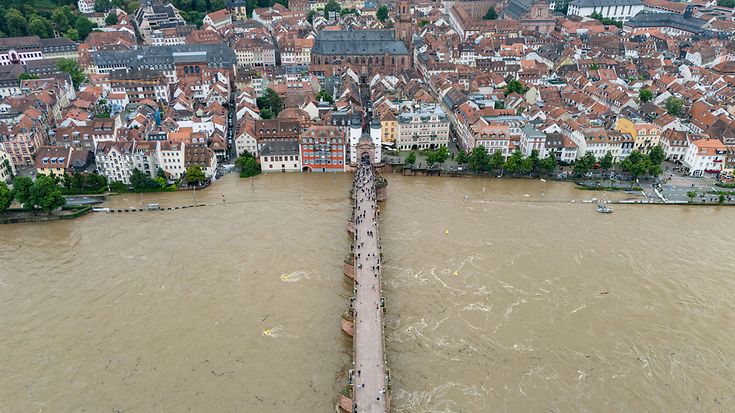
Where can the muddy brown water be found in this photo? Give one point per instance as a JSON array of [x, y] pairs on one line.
[[499, 298]]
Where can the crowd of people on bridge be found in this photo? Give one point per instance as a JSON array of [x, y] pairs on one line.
[[366, 219]]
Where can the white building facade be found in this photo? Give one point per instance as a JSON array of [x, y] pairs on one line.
[[619, 10], [424, 126]]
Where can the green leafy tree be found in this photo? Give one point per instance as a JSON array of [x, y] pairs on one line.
[[271, 101], [325, 96], [84, 26], [248, 165], [6, 197], [645, 95], [691, 195], [674, 106], [332, 6], [437, 156], [423, 23], [71, 67], [478, 159], [382, 13], [514, 163], [720, 200], [27, 76], [219, 5], [441, 155], [430, 156], [584, 164], [499, 104], [535, 161], [63, 18], [515, 86], [491, 14], [562, 7], [726, 3], [195, 175], [411, 158], [527, 166], [41, 27], [461, 157], [22, 186], [606, 21], [606, 162], [310, 16], [46, 194], [138, 179], [654, 170], [72, 34], [16, 25], [548, 165], [496, 161], [111, 19], [266, 113], [657, 155], [636, 164], [101, 6]]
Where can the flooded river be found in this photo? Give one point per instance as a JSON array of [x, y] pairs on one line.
[[499, 298]]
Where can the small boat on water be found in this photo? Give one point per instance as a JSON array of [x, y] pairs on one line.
[[603, 209]]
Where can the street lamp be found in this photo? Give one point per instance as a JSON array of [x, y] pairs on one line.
[[543, 191]]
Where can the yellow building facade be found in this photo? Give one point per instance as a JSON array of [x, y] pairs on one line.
[[389, 127], [645, 135]]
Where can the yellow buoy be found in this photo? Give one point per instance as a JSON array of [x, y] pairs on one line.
[[456, 273], [446, 231], [266, 332], [284, 277]]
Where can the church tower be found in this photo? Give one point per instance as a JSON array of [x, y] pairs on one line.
[[404, 28], [540, 10]]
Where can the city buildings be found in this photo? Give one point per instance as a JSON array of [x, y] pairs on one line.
[[422, 126], [619, 10], [324, 149], [22, 50], [175, 61], [10, 80], [705, 156], [164, 94], [53, 160], [367, 51], [154, 17], [370, 139], [140, 84], [7, 168], [218, 19], [646, 135], [280, 156], [21, 140], [277, 130], [673, 24]]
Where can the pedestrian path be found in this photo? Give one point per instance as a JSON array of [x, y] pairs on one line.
[[369, 375]]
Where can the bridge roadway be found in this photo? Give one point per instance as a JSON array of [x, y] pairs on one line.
[[369, 373]]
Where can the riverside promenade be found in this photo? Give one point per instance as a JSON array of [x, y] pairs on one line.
[[369, 375]]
